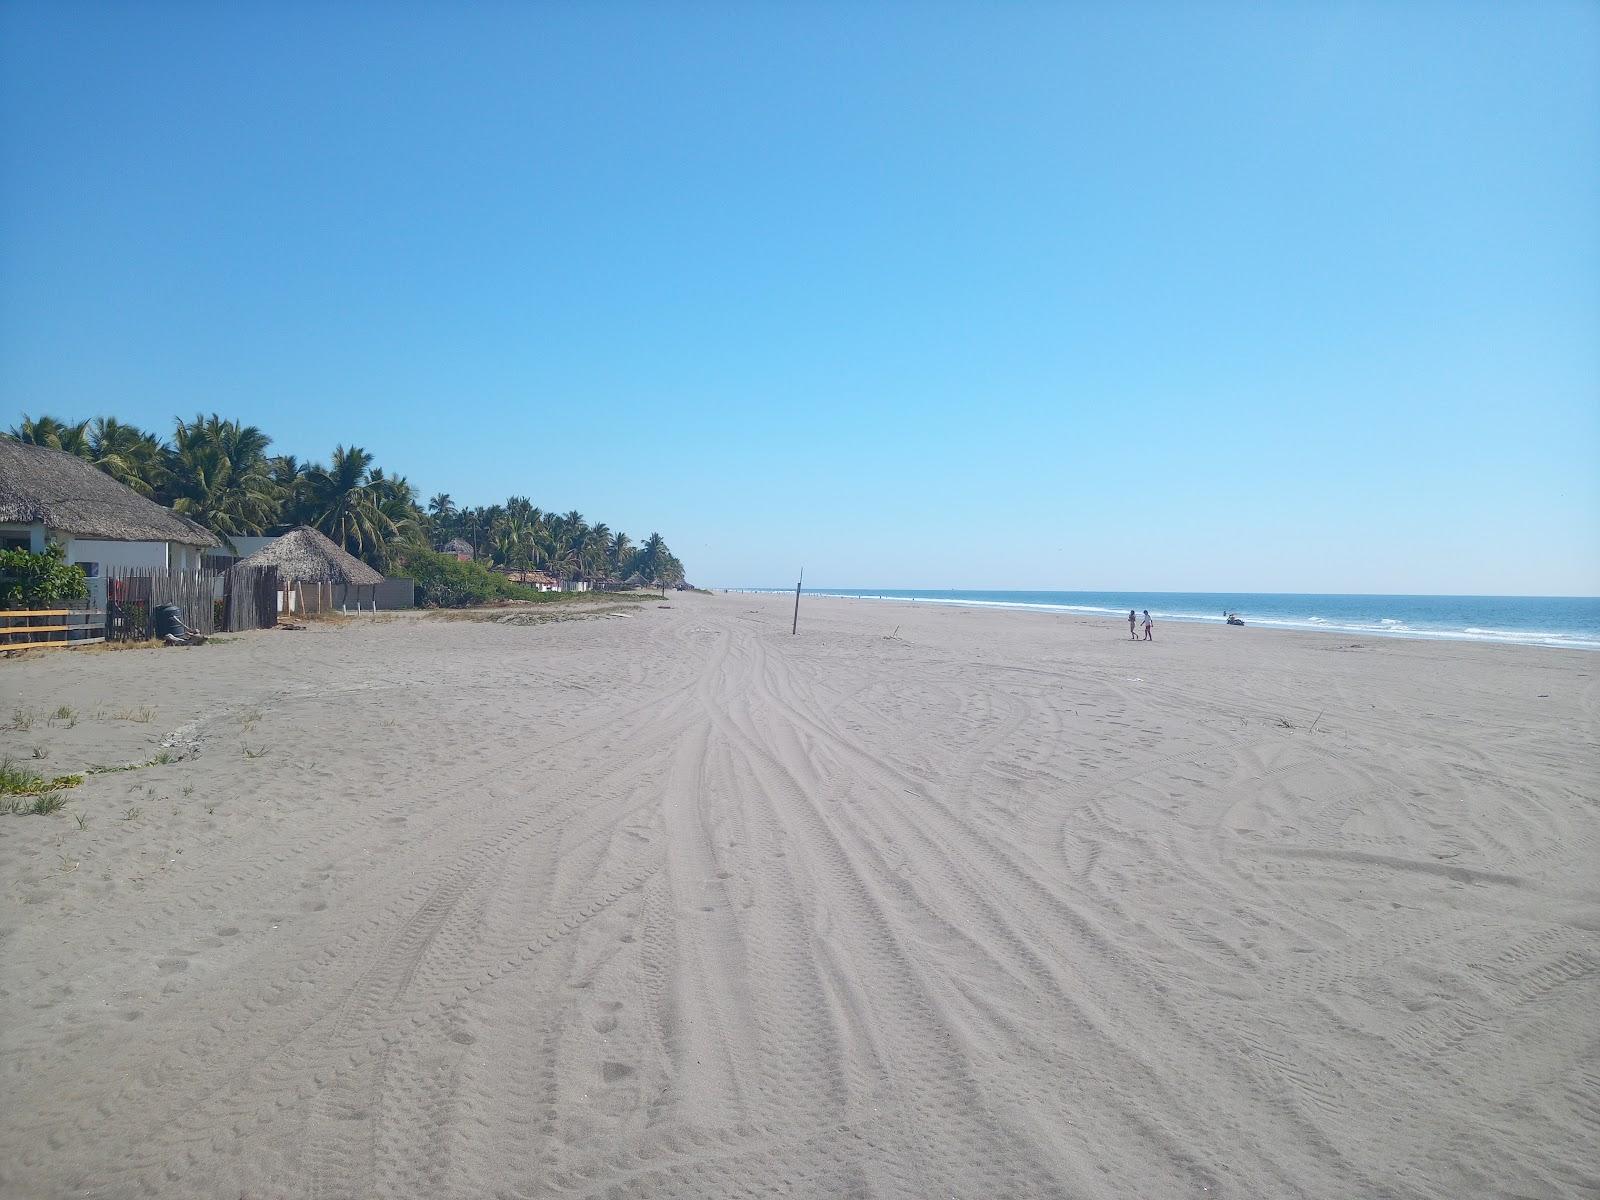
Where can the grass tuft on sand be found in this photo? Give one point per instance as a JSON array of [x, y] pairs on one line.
[[17, 780]]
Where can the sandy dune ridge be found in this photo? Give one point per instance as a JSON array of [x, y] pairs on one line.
[[923, 902]]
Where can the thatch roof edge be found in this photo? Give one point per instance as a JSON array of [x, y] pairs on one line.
[[308, 556], [61, 491]]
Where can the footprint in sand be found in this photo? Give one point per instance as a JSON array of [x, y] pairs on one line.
[[607, 1020], [613, 1072]]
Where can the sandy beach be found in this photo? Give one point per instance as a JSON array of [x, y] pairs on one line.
[[922, 902]]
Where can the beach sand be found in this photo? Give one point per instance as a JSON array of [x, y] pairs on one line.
[[923, 902]]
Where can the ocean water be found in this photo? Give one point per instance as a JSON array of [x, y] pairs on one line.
[[1569, 621]]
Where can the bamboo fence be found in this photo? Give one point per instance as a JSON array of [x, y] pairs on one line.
[[250, 598], [134, 593]]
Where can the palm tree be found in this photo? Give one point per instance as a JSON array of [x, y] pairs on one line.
[[128, 454], [55, 434], [343, 503], [289, 474], [441, 508], [217, 475], [618, 553], [561, 562], [514, 541], [651, 560], [396, 500], [596, 543]]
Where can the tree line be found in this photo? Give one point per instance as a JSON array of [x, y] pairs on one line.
[[219, 473]]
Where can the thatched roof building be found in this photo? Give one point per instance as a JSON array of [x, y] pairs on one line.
[[305, 556], [636, 580], [532, 577], [459, 547], [71, 497]]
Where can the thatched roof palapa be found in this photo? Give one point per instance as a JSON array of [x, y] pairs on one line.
[[457, 546], [305, 556], [529, 576], [63, 492]]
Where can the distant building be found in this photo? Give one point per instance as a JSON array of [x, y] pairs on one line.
[[535, 579], [458, 548], [51, 496]]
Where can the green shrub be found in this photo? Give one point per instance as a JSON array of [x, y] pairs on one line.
[[443, 581], [39, 580]]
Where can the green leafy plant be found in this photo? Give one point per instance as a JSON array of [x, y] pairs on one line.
[[39, 580], [444, 582]]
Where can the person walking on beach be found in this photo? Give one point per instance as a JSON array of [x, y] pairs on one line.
[[1148, 625], [1133, 622]]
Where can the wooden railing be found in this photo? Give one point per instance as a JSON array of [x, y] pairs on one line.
[[51, 628]]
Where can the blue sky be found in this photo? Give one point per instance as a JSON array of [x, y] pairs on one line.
[[1293, 297]]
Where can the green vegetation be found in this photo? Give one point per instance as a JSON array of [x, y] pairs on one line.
[[162, 759], [445, 582], [218, 472], [36, 806], [17, 782], [39, 580]]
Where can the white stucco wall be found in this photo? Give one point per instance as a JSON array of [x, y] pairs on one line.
[[115, 554]]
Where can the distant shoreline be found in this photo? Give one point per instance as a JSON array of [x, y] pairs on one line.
[[1549, 622]]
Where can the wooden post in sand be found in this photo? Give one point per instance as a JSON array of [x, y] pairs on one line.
[[795, 628]]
